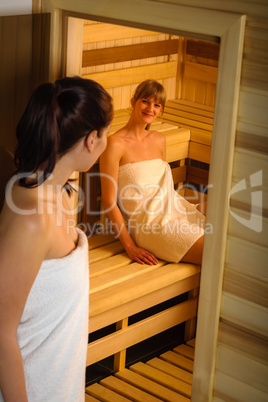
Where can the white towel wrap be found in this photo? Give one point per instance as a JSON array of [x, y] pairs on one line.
[[159, 219]]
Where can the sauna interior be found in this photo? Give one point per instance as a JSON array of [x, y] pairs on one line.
[[119, 58]]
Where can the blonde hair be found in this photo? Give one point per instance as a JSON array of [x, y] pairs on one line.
[[151, 88]]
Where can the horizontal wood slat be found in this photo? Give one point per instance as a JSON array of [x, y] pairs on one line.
[[228, 388], [201, 136], [188, 115], [120, 311], [104, 32], [98, 391], [172, 370], [179, 174], [251, 227], [178, 360], [133, 288], [150, 386], [195, 106], [190, 107], [246, 287], [186, 122], [135, 75], [207, 50], [247, 258], [105, 251], [199, 152], [89, 398], [140, 331], [119, 275], [162, 378], [176, 136], [197, 175], [118, 54], [109, 264], [127, 390], [244, 342], [185, 350], [100, 240], [173, 152], [200, 72], [242, 368], [242, 312]]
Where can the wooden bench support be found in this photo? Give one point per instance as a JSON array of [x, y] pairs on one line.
[[190, 325], [121, 288], [144, 329], [120, 357]]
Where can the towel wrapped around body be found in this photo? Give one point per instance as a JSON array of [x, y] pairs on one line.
[[159, 219], [53, 330]]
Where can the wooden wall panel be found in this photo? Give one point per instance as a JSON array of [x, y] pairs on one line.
[[15, 74], [199, 75], [134, 75], [251, 134], [242, 368], [124, 51]]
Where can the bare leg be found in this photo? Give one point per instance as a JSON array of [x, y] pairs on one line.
[[194, 254]]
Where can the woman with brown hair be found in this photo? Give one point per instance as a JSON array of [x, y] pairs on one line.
[[43, 256]]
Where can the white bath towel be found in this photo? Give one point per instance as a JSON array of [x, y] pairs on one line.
[[159, 219], [53, 330]]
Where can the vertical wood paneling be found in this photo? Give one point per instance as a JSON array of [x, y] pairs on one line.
[[15, 74], [74, 47], [196, 90]]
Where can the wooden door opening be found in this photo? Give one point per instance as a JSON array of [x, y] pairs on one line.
[[192, 22], [120, 58]]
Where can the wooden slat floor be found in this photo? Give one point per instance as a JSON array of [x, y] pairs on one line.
[[164, 378]]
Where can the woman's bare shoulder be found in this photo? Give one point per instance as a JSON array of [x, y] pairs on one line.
[[22, 217], [116, 142], [119, 135], [158, 136]]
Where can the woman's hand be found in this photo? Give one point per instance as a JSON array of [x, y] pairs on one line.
[[141, 256]]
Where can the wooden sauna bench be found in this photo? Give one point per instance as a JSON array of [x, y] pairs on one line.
[[121, 288]]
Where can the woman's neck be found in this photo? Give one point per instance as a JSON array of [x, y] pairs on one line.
[[137, 130]]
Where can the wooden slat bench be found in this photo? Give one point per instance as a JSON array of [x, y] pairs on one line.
[[199, 119], [167, 377], [121, 288]]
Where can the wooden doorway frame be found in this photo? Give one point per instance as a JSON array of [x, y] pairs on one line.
[[204, 24]]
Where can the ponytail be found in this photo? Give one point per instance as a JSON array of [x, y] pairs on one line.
[[56, 117]]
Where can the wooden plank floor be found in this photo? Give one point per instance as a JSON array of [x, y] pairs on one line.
[[164, 378]]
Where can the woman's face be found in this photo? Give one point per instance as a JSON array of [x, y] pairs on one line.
[[147, 109]]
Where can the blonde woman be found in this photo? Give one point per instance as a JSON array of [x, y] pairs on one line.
[[160, 223]]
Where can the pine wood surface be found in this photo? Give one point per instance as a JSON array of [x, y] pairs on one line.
[[119, 54], [251, 128], [89, 398], [131, 76], [131, 289], [156, 380], [119, 287], [103, 32], [141, 330]]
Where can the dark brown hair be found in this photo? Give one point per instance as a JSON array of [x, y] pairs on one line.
[[57, 116]]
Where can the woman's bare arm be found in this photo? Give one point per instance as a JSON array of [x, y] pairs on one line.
[[109, 168], [22, 250]]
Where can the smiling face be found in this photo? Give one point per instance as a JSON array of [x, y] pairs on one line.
[[146, 109]]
